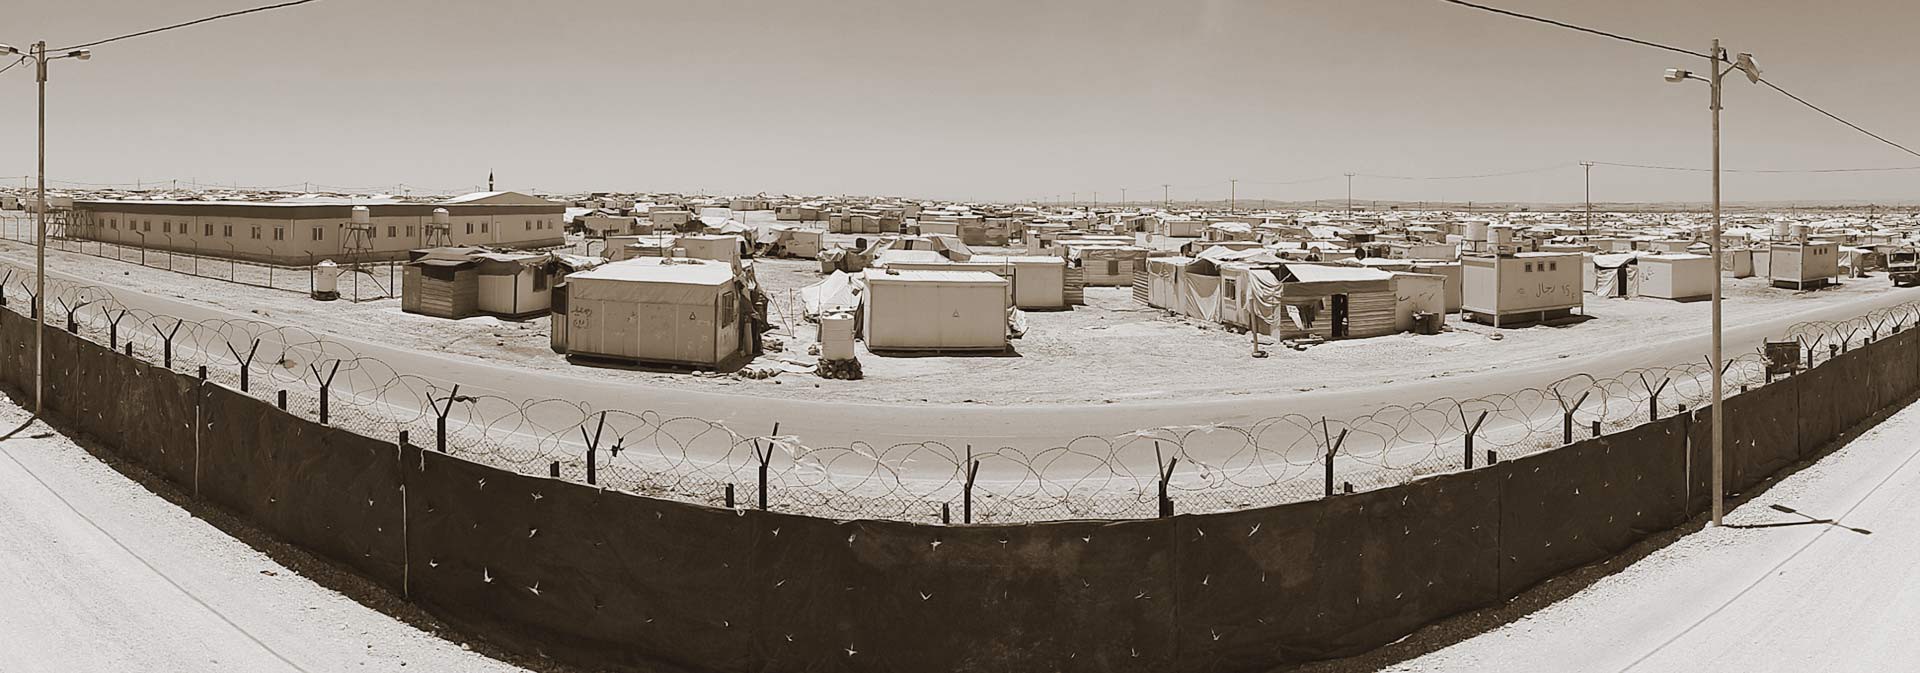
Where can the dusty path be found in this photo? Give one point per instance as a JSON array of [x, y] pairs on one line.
[[103, 575], [1774, 591]]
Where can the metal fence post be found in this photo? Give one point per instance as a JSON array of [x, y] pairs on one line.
[[593, 443], [1471, 431], [1653, 397], [440, 417], [765, 457], [1333, 448], [166, 343], [966, 495], [1166, 475], [1566, 418], [246, 363], [326, 384], [113, 329]]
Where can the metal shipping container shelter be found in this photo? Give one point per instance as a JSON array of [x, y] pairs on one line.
[[934, 311], [679, 312]]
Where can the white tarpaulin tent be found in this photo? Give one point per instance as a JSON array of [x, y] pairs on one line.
[[837, 293]]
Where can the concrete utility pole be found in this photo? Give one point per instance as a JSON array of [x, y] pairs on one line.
[[1349, 196], [1233, 195], [1588, 165], [1123, 197], [40, 58], [1166, 197], [1744, 63]]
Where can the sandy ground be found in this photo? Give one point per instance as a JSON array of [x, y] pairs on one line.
[[1111, 350], [1775, 590], [103, 575]]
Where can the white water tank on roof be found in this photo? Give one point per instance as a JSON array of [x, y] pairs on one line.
[[1476, 230]]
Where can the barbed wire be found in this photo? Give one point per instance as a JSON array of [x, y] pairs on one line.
[[1207, 467]]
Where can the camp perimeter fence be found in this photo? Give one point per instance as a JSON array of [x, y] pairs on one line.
[[1143, 474], [376, 280], [555, 568]]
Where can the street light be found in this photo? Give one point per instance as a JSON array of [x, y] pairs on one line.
[[1744, 63], [38, 52]]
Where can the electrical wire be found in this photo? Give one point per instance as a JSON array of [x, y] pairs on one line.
[[1570, 26], [186, 24], [1887, 169], [1541, 169], [1716, 57], [1835, 117], [10, 66]]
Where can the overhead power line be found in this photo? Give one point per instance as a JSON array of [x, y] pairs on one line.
[[1569, 26], [1716, 57], [194, 22], [1541, 169], [1835, 117], [1886, 169]]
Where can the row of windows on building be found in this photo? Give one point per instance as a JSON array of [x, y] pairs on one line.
[[319, 233]]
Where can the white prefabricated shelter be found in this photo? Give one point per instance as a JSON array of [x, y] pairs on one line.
[[716, 247], [1109, 265], [1434, 251], [1520, 288], [941, 311], [1039, 281], [514, 285], [1680, 277], [1451, 272], [677, 312], [804, 243], [613, 225], [1738, 263], [1163, 281], [1803, 266], [1417, 293]]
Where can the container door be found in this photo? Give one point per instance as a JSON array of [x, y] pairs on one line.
[[1339, 324]]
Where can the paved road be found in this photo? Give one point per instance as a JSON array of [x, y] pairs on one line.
[[1029, 427]]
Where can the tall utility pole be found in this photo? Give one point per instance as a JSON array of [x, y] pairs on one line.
[[1166, 197], [1714, 80], [1349, 196], [40, 242], [1123, 197], [1719, 411], [1588, 165], [1233, 195], [40, 58]]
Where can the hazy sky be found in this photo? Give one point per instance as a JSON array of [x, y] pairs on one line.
[[1008, 100]]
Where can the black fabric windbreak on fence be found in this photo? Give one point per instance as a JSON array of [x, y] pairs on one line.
[[1568, 507], [890, 596], [333, 492], [1335, 577], [570, 571], [1762, 436]]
